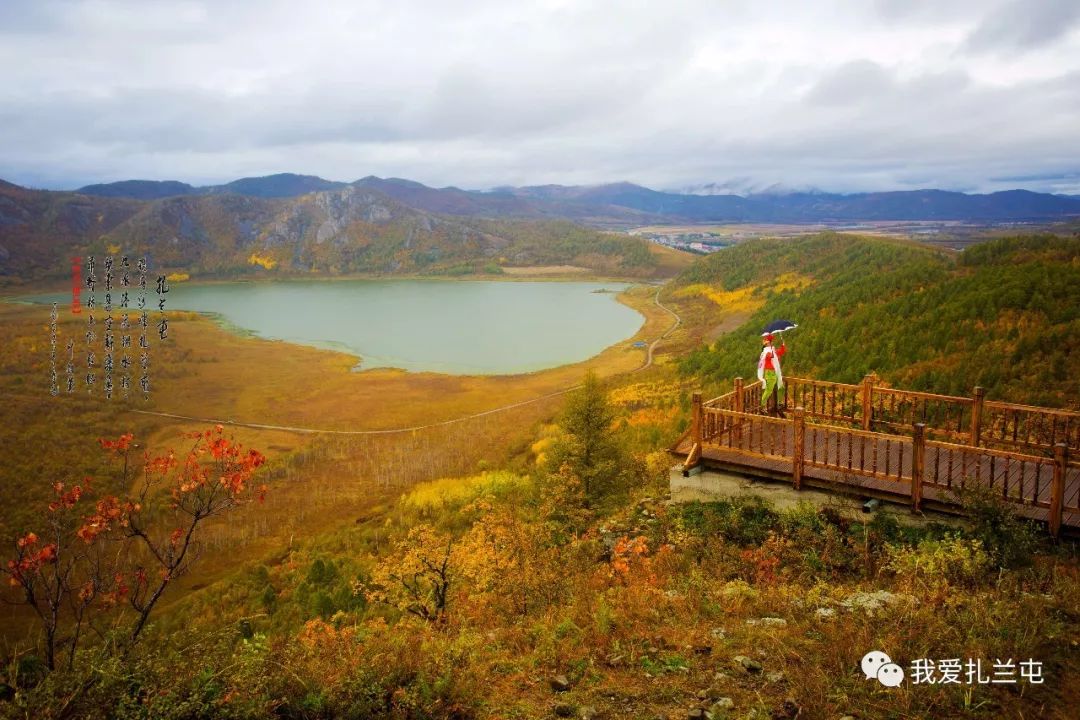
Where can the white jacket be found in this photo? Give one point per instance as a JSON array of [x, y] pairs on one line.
[[775, 362]]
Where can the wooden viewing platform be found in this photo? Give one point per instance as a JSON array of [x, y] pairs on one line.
[[883, 442]]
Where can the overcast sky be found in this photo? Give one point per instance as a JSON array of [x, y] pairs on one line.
[[841, 96]]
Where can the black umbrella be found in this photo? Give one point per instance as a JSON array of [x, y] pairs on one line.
[[778, 326]]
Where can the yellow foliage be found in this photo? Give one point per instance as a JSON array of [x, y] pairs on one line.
[[540, 448], [262, 260], [417, 576], [550, 430], [652, 416], [548, 434], [741, 300], [448, 493], [639, 394], [931, 564], [790, 281], [502, 562], [749, 298], [495, 552], [177, 277], [541, 445], [692, 290], [657, 464], [110, 249]]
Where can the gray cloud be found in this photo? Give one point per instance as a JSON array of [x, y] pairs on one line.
[[853, 83], [837, 95], [930, 11], [1024, 25]]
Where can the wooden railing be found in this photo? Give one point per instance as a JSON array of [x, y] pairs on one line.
[[1026, 479], [726, 401], [860, 452], [744, 397], [886, 434], [899, 410], [1029, 427], [750, 433], [969, 420], [835, 402]]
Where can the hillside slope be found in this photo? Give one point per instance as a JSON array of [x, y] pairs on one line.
[[39, 229], [1004, 315], [347, 230]]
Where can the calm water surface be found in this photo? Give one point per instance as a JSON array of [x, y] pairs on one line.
[[455, 327]]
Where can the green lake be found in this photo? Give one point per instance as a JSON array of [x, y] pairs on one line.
[[454, 327]]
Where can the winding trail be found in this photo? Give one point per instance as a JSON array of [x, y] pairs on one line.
[[673, 328], [393, 431]]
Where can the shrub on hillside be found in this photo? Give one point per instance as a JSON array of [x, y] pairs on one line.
[[1009, 539], [936, 564]]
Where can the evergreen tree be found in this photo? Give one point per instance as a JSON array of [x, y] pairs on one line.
[[587, 445]]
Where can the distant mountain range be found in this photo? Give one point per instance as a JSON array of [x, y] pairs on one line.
[[271, 186], [304, 224], [275, 225], [628, 204]]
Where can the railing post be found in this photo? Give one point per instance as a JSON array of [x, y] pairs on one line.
[[1057, 487], [867, 400], [740, 407], [918, 454], [976, 416], [697, 417], [799, 456]]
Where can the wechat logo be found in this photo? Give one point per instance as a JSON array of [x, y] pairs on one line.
[[876, 664]]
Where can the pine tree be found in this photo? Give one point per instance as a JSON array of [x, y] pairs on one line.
[[588, 445]]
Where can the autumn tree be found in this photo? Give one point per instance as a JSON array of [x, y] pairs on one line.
[[417, 577], [111, 561], [60, 579], [509, 560], [587, 444], [563, 505]]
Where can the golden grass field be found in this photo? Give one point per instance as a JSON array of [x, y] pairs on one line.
[[319, 480], [656, 638], [545, 270]]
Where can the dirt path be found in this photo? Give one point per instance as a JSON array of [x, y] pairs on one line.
[[673, 328], [391, 431]]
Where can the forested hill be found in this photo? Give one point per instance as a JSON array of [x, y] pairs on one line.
[[335, 231], [1004, 315]]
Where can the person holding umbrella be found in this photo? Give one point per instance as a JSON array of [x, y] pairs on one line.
[[769, 372]]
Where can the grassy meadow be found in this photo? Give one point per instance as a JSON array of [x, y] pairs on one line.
[[526, 563], [319, 480]]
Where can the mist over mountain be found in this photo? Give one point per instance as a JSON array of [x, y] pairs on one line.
[[745, 187]]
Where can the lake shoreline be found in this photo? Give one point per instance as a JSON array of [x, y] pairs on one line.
[[569, 331], [10, 293]]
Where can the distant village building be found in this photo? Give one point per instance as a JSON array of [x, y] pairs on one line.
[[698, 242]]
